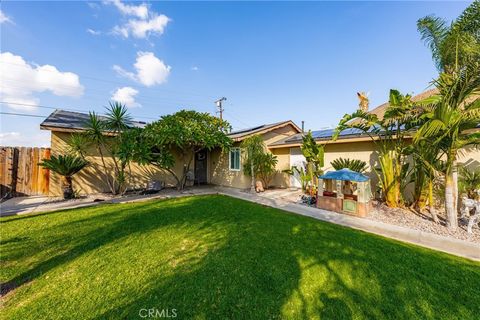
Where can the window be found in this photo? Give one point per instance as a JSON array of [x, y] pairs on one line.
[[234, 159]]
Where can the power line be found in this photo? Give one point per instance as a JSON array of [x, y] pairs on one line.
[[142, 98], [22, 114], [66, 109], [108, 81]]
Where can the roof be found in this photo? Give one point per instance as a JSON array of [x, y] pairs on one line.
[[244, 133], [347, 134], [62, 120], [380, 110], [346, 175], [320, 135]]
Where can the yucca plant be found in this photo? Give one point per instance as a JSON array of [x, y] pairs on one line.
[[66, 166], [352, 164]]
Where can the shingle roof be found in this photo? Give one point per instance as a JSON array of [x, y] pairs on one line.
[[326, 134], [72, 121], [380, 110], [240, 134]]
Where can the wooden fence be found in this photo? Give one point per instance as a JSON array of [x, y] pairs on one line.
[[20, 174]]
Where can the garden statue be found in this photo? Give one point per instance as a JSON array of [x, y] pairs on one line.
[[364, 101], [259, 186], [469, 205]]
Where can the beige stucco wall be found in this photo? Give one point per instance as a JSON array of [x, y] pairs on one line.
[[220, 174], [469, 157], [92, 179]]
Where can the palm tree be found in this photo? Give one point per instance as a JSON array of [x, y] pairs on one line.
[[389, 136], [66, 166], [314, 156], [452, 45], [352, 164], [255, 147], [455, 109], [427, 163], [451, 118]]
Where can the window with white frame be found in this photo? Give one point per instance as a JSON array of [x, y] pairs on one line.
[[234, 159]]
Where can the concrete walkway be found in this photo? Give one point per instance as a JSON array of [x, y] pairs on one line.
[[273, 199]]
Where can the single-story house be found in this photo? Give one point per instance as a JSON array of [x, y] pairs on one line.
[[209, 167], [225, 168]]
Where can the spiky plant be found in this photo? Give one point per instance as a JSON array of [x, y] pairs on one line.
[[78, 144], [66, 166], [470, 182], [352, 164]]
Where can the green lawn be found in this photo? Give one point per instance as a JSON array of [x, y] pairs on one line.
[[218, 257]]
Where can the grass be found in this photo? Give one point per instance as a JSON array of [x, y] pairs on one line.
[[218, 257]]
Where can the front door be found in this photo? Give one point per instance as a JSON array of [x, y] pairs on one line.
[[201, 167]]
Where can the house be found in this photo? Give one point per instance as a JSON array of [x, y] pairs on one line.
[[225, 168], [209, 167]]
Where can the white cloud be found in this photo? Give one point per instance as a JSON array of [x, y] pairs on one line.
[[143, 28], [140, 11], [143, 21], [93, 32], [194, 68], [149, 70], [17, 139], [19, 80], [4, 18], [126, 95]]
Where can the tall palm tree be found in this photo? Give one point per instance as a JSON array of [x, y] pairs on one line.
[[456, 53], [451, 119], [66, 166], [452, 45]]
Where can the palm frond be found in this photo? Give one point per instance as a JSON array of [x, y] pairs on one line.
[[64, 165], [433, 31]]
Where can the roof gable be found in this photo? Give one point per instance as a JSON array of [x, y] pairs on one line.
[[62, 120], [244, 133]]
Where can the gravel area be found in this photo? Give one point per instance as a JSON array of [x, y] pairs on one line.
[[418, 221], [401, 217]]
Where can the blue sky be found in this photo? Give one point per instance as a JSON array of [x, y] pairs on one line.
[[272, 60]]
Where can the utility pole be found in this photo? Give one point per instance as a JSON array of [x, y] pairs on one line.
[[219, 104]]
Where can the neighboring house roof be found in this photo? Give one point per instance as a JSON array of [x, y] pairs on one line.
[[69, 121], [348, 135], [242, 134], [380, 110]]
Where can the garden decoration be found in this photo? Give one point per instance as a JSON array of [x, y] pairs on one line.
[[344, 191]]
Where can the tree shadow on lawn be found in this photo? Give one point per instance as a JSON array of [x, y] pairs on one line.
[[75, 238], [277, 265], [261, 263]]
